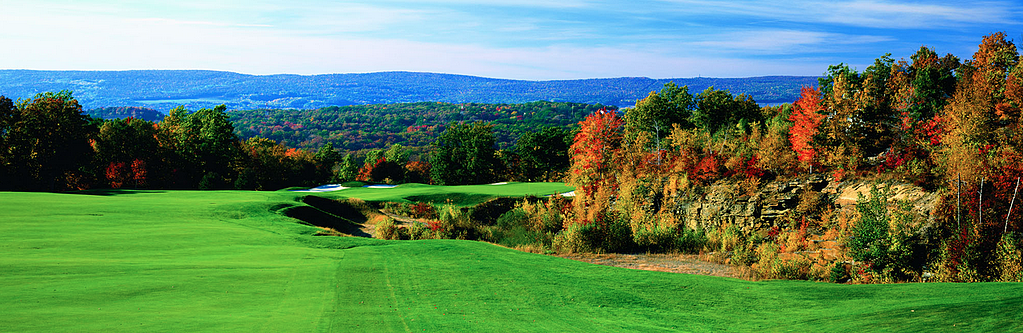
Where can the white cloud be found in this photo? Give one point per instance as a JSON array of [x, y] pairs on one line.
[[784, 41], [865, 13]]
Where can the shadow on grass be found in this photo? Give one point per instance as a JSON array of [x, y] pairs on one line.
[[112, 192], [338, 208], [313, 216]]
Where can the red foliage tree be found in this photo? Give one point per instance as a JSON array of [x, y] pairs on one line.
[[117, 173], [593, 163], [138, 172], [417, 172], [806, 118]]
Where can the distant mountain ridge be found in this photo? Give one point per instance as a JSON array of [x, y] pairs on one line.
[[166, 89]]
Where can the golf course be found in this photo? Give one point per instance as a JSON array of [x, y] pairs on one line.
[[229, 261]]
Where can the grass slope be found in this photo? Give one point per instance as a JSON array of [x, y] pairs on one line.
[[226, 261]]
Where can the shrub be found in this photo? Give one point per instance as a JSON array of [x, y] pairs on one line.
[[745, 254], [419, 210], [545, 216], [691, 241], [655, 237], [880, 236], [724, 238], [455, 224], [418, 231], [386, 229], [838, 273], [577, 238], [514, 229], [513, 218], [1010, 259], [212, 181]]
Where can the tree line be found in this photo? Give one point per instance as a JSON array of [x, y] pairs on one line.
[[49, 144]]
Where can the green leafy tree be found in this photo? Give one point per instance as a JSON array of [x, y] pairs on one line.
[[543, 155], [880, 237], [465, 154], [47, 147], [326, 159], [826, 83], [659, 111], [328, 156], [397, 154], [718, 109], [206, 142], [9, 116], [347, 169]]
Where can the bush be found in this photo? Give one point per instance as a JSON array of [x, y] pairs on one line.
[[418, 231], [838, 273], [514, 229], [419, 210], [691, 241], [513, 218], [610, 233], [1010, 259], [656, 237], [745, 254], [880, 237], [455, 224], [577, 238], [545, 216], [212, 181], [386, 229]]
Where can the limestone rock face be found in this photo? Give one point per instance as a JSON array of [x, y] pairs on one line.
[[720, 204]]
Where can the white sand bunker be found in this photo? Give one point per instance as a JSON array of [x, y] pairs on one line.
[[501, 183], [323, 188], [380, 186]]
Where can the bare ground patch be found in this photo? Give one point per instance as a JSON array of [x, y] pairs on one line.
[[673, 263]]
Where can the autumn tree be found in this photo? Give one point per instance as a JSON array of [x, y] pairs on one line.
[[806, 118], [120, 143], [971, 120], [593, 153], [774, 149]]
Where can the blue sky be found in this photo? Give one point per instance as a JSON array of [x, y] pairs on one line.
[[519, 39]]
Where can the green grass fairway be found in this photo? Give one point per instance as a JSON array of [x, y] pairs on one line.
[[466, 195], [224, 261]]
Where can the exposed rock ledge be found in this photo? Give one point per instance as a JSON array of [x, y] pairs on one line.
[[720, 205]]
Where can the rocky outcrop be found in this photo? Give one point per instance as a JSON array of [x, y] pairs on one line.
[[720, 204]]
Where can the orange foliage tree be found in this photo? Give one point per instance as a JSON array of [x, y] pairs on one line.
[[594, 151], [806, 119]]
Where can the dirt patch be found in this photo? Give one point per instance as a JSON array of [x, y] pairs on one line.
[[673, 263]]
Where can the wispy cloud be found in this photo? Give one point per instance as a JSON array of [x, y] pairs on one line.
[[784, 41], [866, 13]]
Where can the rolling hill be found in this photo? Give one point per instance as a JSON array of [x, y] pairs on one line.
[[166, 89]]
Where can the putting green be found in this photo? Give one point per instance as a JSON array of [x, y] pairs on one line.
[[464, 195], [226, 261]]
